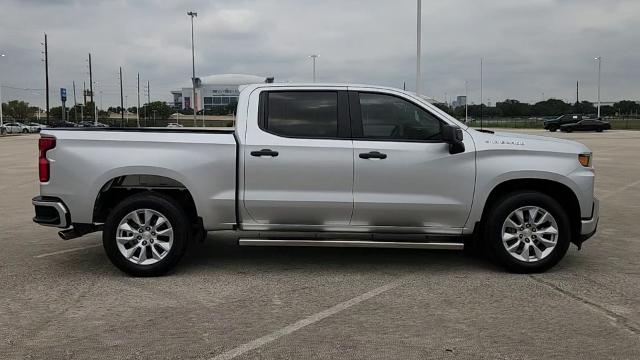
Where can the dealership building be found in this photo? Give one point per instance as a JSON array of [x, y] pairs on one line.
[[214, 90]]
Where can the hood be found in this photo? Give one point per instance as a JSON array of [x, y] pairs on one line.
[[507, 140]]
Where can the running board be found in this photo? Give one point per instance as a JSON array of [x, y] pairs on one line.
[[352, 243]]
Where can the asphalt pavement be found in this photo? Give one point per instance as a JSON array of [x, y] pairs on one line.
[[64, 300]]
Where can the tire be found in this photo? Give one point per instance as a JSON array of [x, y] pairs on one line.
[[599, 130], [553, 129], [25, 131], [154, 261], [513, 260]]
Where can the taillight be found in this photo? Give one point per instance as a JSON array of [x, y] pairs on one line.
[[45, 144]]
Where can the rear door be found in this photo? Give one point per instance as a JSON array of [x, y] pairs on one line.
[[405, 177], [298, 160]]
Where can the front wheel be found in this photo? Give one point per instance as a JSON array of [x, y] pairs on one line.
[[25, 131], [553, 129], [528, 232], [146, 234]]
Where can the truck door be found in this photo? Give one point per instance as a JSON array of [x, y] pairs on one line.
[[405, 177], [298, 160]]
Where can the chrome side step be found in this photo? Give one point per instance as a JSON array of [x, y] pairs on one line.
[[352, 243]]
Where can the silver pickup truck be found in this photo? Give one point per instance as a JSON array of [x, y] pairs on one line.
[[319, 165]]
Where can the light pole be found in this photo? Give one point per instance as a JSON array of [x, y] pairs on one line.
[[466, 102], [419, 48], [95, 108], [599, 58], [314, 57], [138, 108], [1, 118], [193, 14]]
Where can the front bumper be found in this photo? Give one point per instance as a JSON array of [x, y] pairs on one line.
[[589, 226], [51, 211]]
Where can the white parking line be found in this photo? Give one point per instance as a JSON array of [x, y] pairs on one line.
[[65, 251], [254, 344]]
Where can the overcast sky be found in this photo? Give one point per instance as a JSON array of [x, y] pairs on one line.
[[530, 47]]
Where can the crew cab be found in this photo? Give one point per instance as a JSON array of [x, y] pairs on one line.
[[319, 165]]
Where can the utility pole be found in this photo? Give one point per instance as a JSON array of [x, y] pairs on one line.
[[1, 118], [481, 99], [91, 87], [193, 67], [419, 48], [75, 102], [121, 99], [577, 92], [46, 73], [95, 110], [599, 58], [138, 109]]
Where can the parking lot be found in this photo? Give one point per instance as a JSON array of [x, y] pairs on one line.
[[64, 300]]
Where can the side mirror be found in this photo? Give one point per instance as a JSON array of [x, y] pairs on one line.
[[452, 135]]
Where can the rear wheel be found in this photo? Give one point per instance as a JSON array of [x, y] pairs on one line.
[[146, 234], [24, 131], [528, 232], [553, 128]]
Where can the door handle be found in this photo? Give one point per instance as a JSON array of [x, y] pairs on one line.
[[264, 152], [373, 155]]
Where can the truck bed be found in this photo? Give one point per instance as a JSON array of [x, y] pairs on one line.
[[86, 160]]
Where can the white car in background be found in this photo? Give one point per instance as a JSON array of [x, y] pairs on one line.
[[35, 127], [16, 128], [174, 125]]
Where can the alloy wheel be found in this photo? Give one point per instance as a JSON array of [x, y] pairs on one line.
[[530, 233]]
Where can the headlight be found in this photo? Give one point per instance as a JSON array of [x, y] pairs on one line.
[[585, 159]]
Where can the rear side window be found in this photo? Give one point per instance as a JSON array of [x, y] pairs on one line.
[[302, 113]]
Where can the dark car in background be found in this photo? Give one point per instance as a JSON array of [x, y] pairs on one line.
[[63, 124], [586, 125], [554, 124]]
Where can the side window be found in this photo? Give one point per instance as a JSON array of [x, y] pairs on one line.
[[302, 113], [392, 118]]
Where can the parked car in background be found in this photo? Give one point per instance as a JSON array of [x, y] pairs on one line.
[[63, 124], [35, 127], [319, 165], [91, 124], [554, 124], [587, 125], [174, 125], [16, 128], [3, 129]]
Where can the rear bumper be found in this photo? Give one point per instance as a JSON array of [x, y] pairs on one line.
[[51, 211], [589, 226]]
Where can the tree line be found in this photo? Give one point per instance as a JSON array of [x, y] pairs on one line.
[[20, 110], [550, 107]]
